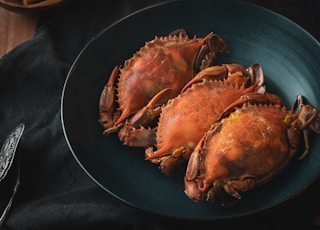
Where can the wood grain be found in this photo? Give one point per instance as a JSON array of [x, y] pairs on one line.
[[15, 28]]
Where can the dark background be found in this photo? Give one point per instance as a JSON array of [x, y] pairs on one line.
[[55, 193]]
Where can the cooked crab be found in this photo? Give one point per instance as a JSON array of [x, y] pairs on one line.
[[184, 119], [157, 73], [248, 147]]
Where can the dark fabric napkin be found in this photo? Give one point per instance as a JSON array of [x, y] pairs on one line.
[[55, 193]]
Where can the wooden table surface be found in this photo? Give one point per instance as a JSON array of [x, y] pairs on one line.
[[15, 28]]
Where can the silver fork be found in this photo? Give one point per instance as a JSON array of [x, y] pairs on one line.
[[7, 156]]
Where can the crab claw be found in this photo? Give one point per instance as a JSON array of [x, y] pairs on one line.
[[214, 44], [212, 72], [251, 98], [256, 74], [106, 102], [148, 113], [191, 188], [309, 116], [137, 137]]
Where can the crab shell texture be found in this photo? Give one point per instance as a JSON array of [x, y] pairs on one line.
[[185, 119], [246, 149], [165, 62]]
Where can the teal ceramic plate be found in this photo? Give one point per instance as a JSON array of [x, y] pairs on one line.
[[290, 60]]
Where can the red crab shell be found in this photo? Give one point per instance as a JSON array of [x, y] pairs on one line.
[[246, 149], [163, 63], [185, 119]]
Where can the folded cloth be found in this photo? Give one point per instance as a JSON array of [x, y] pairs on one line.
[[55, 193]]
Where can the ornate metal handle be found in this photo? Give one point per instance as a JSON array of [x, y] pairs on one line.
[[7, 156]]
